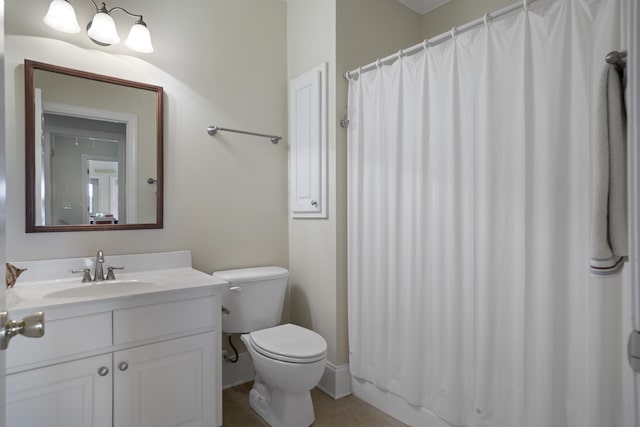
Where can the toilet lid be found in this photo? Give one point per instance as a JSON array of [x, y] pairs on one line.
[[289, 343]]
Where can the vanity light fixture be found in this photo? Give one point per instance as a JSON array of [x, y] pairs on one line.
[[102, 29]]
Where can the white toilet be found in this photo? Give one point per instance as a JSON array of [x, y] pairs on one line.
[[288, 360]]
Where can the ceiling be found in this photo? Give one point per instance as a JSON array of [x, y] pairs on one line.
[[422, 6]]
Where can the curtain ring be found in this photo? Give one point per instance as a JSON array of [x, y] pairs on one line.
[[425, 44], [346, 76], [453, 33], [525, 5], [400, 54], [359, 71], [379, 63], [487, 19]]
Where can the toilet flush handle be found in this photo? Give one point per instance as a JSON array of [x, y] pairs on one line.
[[235, 288]]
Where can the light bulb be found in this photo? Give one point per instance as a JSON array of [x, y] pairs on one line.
[[62, 17], [102, 29], [139, 38]]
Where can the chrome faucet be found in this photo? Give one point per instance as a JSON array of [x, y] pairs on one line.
[[98, 272]]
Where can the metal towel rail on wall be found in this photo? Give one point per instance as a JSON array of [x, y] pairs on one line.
[[212, 130]]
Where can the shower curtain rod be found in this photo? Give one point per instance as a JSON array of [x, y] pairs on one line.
[[212, 130], [438, 39]]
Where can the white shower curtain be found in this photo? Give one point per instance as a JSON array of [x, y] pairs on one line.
[[469, 168]]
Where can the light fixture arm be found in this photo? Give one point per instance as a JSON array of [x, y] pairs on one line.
[[98, 9], [104, 9], [127, 12]]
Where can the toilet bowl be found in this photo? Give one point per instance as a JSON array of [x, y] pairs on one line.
[[289, 361]]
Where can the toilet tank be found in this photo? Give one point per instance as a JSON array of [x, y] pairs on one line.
[[254, 298]]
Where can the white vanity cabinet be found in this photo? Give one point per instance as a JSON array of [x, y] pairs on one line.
[[141, 361]]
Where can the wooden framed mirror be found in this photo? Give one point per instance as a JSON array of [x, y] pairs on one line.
[[94, 151]]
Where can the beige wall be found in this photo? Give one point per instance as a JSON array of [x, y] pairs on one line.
[[345, 34], [229, 65], [220, 62], [311, 40], [456, 13], [372, 29]]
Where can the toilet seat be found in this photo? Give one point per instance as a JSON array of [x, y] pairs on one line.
[[289, 343]]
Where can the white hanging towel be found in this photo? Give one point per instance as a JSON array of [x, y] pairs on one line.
[[609, 239]]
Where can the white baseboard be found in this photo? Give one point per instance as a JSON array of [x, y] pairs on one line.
[[336, 381], [395, 406], [237, 373]]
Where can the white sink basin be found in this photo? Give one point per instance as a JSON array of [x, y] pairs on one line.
[[104, 288], [50, 283]]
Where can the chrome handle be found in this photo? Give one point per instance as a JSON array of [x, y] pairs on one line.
[[103, 371], [110, 275], [31, 326], [314, 203], [235, 288], [225, 310], [86, 274], [123, 366]]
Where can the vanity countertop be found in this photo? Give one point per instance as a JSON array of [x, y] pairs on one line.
[[49, 284]]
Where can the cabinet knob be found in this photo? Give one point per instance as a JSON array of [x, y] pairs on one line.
[[123, 366], [314, 203], [102, 371]]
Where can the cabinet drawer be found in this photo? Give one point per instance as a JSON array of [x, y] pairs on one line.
[[62, 338], [167, 319]]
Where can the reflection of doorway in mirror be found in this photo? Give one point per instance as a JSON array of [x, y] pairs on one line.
[[68, 168], [102, 194], [92, 132]]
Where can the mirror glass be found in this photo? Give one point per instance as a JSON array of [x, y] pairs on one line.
[[93, 151]]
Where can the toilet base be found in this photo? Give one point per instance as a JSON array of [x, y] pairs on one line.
[[280, 408]]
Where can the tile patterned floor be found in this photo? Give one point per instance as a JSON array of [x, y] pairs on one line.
[[346, 412]]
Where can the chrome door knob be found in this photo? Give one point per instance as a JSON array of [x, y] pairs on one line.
[[123, 366], [31, 326]]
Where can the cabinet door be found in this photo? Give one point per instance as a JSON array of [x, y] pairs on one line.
[[308, 144], [71, 394], [166, 384]]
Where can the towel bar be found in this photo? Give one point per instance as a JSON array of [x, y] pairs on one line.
[[212, 130]]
